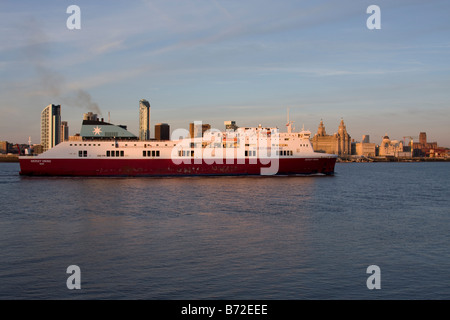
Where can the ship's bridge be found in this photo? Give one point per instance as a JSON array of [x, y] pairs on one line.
[[96, 129]]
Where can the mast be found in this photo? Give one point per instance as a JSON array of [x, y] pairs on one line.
[[289, 123]]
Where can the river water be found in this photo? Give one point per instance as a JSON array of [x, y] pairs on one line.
[[290, 238]]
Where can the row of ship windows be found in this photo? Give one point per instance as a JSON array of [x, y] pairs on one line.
[[150, 153], [121, 153], [115, 153], [285, 153], [156, 153], [186, 153], [248, 153], [126, 145]]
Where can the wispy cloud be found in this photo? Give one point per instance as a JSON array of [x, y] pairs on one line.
[[233, 55], [108, 47]]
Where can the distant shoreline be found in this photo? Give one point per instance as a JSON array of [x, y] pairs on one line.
[[368, 160], [9, 158]]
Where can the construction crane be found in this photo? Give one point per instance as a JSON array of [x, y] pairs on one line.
[[411, 138], [411, 143]]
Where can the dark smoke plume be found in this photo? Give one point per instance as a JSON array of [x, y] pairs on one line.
[[82, 99], [52, 83]]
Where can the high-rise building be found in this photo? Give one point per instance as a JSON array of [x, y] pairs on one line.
[[366, 138], [50, 126], [3, 146], [144, 120], [230, 125], [64, 131], [90, 116], [197, 129], [162, 131]]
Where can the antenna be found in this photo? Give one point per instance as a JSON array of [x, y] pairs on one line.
[[289, 123], [109, 117]]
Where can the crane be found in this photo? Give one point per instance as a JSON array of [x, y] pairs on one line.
[[410, 138], [411, 143]]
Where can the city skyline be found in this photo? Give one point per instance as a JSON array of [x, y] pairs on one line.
[[223, 60]]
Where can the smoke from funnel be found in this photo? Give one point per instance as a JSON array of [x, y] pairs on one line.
[[52, 83], [82, 99]]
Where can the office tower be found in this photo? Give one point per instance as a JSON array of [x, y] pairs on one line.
[[50, 126], [144, 120], [230, 125], [197, 129], [90, 116], [162, 131], [366, 138], [64, 132]]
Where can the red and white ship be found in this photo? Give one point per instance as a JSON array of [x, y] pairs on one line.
[[104, 149]]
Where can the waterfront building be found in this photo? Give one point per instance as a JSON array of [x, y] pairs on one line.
[[365, 148], [338, 143], [37, 149], [366, 138], [393, 148], [4, 147], [230, 125], [90, 116], [50, 126], [144, 120], [423, 148], [197, 129], [64, 131], [162, 131]]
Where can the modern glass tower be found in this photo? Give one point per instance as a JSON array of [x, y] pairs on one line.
[[144, 120], [50, 126]]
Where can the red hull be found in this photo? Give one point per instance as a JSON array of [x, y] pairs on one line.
[[165, 167]]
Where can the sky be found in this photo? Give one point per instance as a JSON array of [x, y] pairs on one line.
[[215, 60]]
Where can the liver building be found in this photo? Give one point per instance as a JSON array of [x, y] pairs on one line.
[[338, 143]]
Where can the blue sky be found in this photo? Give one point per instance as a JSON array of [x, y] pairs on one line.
[[216, 60]]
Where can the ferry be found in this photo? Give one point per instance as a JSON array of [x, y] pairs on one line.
[[105, 149]]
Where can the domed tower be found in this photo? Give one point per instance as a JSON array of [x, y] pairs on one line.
[[344, 140], [384, 147], [321, 130]]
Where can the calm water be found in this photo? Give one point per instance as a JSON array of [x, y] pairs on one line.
[[229, 237]]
